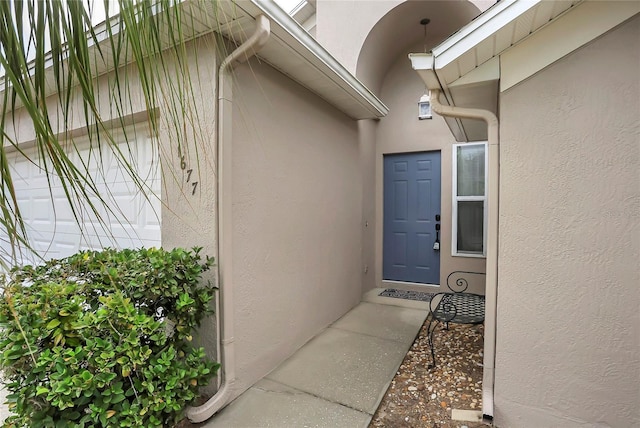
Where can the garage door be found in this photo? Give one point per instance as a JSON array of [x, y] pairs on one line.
[[134, 219]]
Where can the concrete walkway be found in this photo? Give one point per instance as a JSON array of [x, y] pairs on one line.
[[339, 377]]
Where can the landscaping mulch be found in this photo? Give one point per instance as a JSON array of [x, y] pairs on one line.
[[423, 397]]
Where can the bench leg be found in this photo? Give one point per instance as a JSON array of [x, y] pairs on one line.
[[433, 323]]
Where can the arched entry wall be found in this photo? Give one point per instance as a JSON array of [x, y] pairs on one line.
[[368, 35], [402, 132], [382, 64], [342, 26]]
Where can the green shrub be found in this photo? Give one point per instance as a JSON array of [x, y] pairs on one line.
[[101, 339]]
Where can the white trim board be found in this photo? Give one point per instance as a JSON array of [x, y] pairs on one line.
[[455, 199], [484, 26]]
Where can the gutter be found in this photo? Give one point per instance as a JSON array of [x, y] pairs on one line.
[[425, 66], [282, 21], [225, 310]]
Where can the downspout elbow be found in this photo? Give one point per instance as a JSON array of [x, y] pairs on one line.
[[466, 113], [250, 47], [226, 340]]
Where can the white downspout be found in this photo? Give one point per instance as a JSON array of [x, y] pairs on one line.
[[224, 313], [491, 288]]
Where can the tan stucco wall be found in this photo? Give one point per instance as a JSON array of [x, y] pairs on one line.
[[568, 336], [402, 132], [188, 218], [296, 218], [367, 130], [342, 26]]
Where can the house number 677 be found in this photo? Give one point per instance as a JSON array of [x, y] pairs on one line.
[[183, 166]]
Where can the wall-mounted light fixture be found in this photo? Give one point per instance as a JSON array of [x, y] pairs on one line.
[[424, 105]]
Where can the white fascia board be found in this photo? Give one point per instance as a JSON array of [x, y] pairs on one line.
[[281, 20], [423, 63], [484, 26]]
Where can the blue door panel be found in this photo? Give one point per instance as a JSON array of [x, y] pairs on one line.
[[401, 192], [424, 201], [411, 202], [399, 245]]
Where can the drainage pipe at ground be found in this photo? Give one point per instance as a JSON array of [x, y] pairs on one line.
[[224, 313], [491, 288]]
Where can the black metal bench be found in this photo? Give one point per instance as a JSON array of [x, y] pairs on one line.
[[456, 307]]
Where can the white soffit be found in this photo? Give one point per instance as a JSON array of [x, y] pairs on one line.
[[485, 72], [500, 27], [303, 11], [294, 52], [586, 22]]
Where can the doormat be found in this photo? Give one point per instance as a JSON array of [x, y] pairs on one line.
[[420, 296]]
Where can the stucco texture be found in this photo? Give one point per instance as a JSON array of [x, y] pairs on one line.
[[568, 336], [189, 213], [296, 232]]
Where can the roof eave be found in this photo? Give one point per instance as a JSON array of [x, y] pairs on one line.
[[343, 82], [333, 82]]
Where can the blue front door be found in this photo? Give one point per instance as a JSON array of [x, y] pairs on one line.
[[411, 203]]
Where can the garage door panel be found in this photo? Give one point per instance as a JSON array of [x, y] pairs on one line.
[[63, 212], [97, 241], [127, 231], [42, 213], [27, 216], [30, 170], [64, 248], [42, 246], [94, 241], [152, 221], [50, 221], [52, 232]]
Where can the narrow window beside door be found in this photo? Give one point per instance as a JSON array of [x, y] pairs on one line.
[[469, 199]]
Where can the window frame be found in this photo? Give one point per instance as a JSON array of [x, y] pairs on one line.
[[455, 199]]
